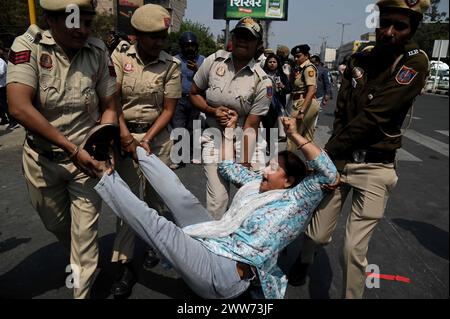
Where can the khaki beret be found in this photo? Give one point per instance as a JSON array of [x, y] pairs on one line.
[[283, 51], [61, 5], [151, 18], [418, 7]]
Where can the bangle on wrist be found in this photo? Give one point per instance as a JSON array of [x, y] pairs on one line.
[[303, 145]]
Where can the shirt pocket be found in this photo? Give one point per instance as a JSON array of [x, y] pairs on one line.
[[156, 95], [49, 91], [216, 83], [89, 97], [128, 86]]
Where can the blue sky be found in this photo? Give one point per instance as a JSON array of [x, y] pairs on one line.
[[308, 21]]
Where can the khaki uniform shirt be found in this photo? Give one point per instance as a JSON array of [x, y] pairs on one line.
[[67, 92], [248, 91], [375, 96], [144, 86], [305, 76]]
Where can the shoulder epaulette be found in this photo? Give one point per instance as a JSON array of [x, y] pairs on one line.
[[221, 55], [33, 34]]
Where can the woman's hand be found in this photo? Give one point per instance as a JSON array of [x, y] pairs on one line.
[[129, 146], [222, 115], [290, 125], [91, 167], [145, 144], [332, 187], [233, 117]]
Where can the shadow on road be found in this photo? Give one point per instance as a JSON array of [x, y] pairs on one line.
[[320, 276], [320, 273], [431, 237], [38, 273]]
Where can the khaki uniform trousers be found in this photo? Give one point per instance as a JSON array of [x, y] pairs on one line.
[[130, 172], [217, 190], [371, 185], [69, 207], [307, 126]]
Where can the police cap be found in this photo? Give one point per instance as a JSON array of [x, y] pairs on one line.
[[151, 18], [61, 5], [303, 48], [251, 25], [415, 7], [283, 51]]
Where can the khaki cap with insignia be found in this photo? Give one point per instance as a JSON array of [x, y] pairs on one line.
[[61, 5], [418, 7], [151, 18], [249, 24]]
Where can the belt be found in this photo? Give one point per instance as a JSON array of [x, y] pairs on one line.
[[138, 128], [298, 96], [54, 156], [370, 156]]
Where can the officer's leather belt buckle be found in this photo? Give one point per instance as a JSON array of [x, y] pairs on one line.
[[50, 155], [369, 156], [138, 128], [297, 96]]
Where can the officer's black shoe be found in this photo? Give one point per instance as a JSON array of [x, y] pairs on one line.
[[298, 273], [150, 261], [124, 281]]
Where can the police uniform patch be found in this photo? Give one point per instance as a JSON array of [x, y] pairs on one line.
[[46, 61], [311, 74], [29, 37], [220, 71], [405, 75], [413, 52], [357, 73], [128, 68], [167, 22], [19, 57], [269, 91], [411, 3]]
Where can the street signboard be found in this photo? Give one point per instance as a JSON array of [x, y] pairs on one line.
[[258, 9], [440, 49]]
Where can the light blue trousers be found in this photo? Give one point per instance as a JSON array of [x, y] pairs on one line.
[[209, 275]]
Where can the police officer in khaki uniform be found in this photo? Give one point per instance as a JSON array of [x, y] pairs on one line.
[[230, 81], [61, 84], [149, 84], [304, 86], [378, 88]]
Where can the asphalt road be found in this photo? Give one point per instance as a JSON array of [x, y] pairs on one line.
[[411, 240]]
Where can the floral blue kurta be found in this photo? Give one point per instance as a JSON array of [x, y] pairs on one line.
[[272, 227]]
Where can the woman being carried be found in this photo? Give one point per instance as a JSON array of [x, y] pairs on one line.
[[218, 259]]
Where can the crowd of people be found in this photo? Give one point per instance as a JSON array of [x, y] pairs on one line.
[[62, 84]]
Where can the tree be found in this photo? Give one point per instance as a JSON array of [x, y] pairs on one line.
[[207, 45], [435, 27], [102, 24], [433, 14]]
